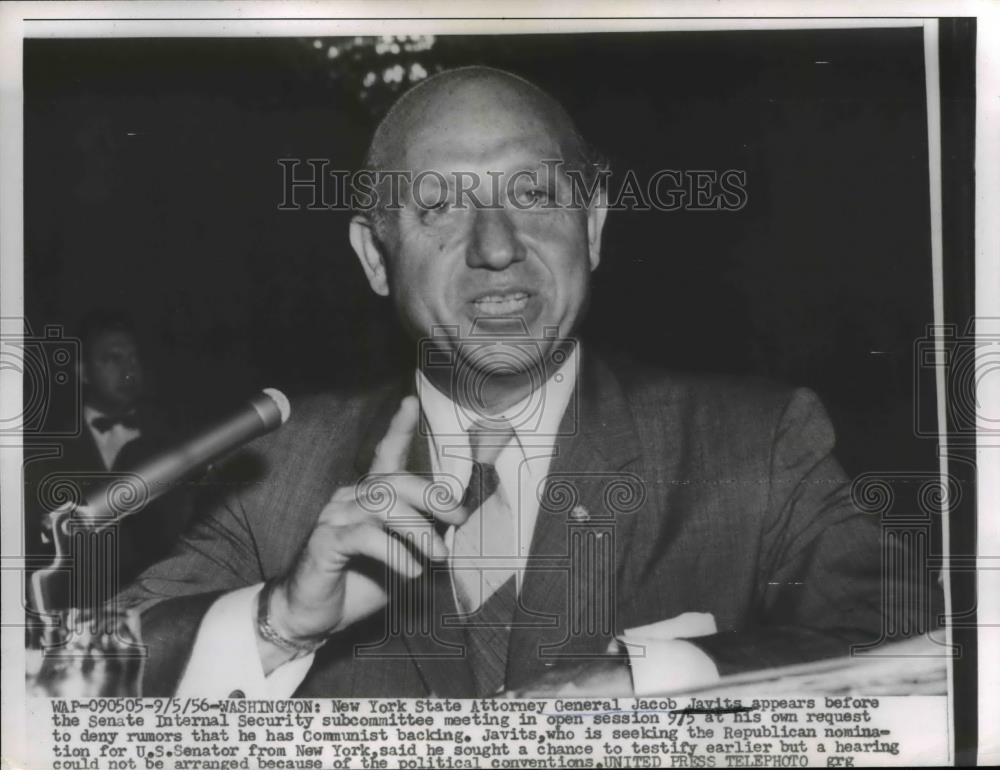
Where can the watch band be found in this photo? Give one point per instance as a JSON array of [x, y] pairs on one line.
[[267, 631]]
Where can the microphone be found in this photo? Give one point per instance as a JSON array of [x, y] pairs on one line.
[[265, 411], [130, 492]]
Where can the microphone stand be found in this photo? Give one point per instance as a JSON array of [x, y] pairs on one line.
[[94, 648]]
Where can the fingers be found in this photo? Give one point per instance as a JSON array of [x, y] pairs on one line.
[[405, 522], [393, 500], [437, 498], [423, 538], [367, 538], [391, 452]]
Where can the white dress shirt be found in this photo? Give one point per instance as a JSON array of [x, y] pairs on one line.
[[660, 660], [110, 442], [521, 466]]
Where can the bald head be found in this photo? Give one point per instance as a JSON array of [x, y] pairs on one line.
[[468, 106], [466, 92]]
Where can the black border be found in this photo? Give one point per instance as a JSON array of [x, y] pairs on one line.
[[957, 53]]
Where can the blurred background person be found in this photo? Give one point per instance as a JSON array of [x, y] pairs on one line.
[[120, 427], [113, 378]]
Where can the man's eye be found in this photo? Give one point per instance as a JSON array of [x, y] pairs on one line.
[[434, 210], [534, 196]]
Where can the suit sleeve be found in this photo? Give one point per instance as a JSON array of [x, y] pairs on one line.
[[219, 554], [820, 583]]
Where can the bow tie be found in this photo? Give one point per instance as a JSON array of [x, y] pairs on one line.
[[103, 423]]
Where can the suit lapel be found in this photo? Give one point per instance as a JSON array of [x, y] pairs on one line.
[[567, 602], [422, 611], [437, 644]]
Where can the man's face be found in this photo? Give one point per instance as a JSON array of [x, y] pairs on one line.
[[511, 266], [112, 370]]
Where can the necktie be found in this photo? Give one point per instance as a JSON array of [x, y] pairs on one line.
[[103, 423], [486, 585]]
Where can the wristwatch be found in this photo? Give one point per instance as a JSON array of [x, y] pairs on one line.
[[299, 649]]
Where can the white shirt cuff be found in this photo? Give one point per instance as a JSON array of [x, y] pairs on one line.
[[225, 662], [662, 661]]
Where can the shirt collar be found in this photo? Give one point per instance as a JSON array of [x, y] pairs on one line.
[[90, 413], [535, 418]]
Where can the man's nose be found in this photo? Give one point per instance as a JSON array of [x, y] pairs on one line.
[[494, 244]]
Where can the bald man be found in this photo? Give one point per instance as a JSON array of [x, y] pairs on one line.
[[513, 516]]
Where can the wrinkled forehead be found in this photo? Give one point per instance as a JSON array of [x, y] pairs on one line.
[[484, 151], [479, 125]]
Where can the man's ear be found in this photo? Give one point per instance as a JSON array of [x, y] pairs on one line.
[[369, 252], [596, 215]]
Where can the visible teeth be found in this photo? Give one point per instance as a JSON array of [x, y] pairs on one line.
[[497, 304], [503, 297]]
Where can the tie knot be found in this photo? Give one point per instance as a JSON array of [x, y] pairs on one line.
[[487, 440]]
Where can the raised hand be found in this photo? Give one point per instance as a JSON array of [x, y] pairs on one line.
[[336, 579]]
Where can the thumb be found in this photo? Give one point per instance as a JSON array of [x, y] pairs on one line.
[[392, 450]]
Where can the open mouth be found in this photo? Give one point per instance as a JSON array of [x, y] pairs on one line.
[[505, 303]]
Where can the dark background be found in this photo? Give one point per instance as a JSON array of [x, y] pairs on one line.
[[152, 184]]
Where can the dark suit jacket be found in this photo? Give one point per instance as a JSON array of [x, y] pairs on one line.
[[697, 494]]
